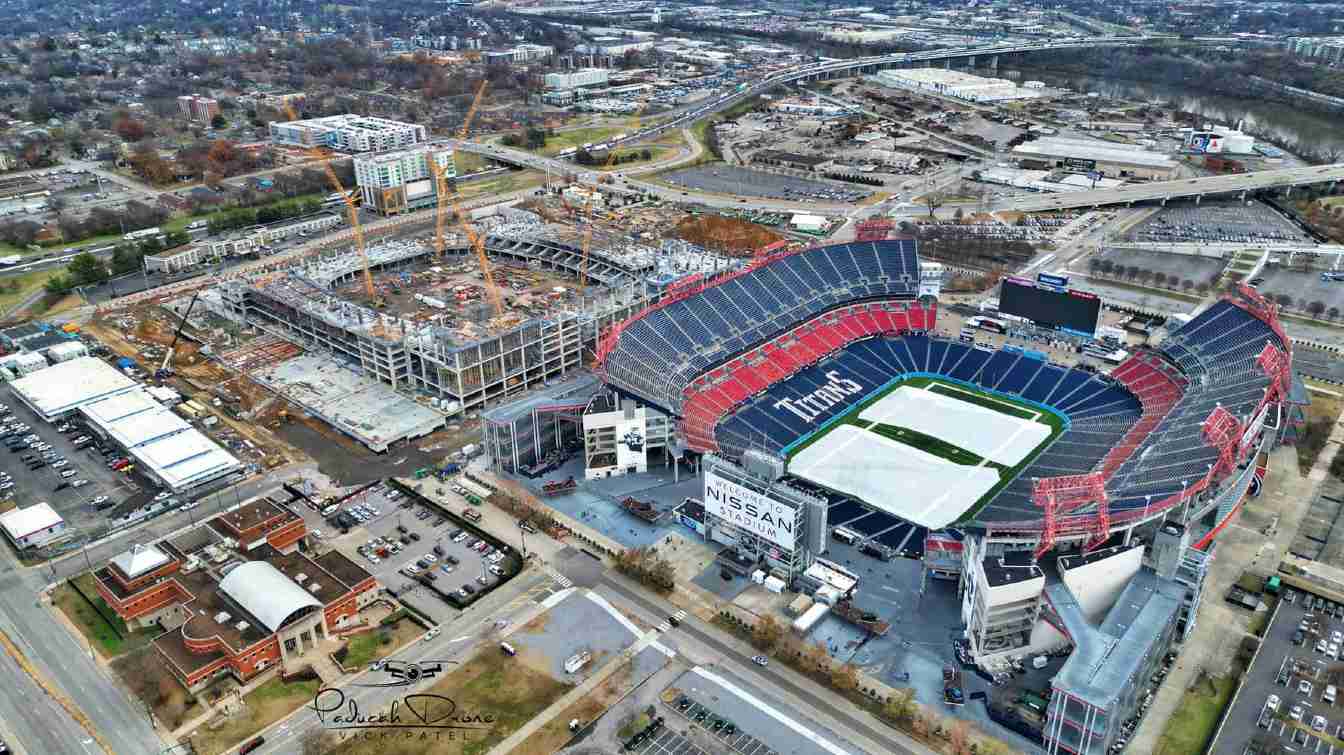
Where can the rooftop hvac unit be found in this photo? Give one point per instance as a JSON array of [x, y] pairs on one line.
[[242, 626], [300, 577], [222, 617], [314, 587]]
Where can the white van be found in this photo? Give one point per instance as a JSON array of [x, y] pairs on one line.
[[507, 648], [1329, 696]]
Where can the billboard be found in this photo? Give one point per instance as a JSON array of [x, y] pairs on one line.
[[630, 443], [1066, 309], [417, 189], [754, 512], [1080, 163], [1051, 279]]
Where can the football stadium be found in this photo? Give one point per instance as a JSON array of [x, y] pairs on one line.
[[824, 359], [837, 443]]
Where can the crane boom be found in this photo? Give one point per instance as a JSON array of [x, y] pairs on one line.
[[168, 356], [441, 181]]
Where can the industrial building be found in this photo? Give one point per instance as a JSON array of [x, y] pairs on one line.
[[348, 133], [1086, 155], [963, 86], [164, 447], [62, 389], [1217, 140], [403, 180], [582, 77], [32, 526]]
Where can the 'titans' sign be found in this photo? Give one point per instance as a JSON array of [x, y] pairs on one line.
[[810, 406], [752, 511]]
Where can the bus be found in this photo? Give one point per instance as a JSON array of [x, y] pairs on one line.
[[846, 536], [988, 323], [143, 233]]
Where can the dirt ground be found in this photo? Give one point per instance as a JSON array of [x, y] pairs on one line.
[[555, 734], [730, 236], [342, 458]]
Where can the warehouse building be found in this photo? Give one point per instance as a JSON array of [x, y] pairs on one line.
[[963, 86], [348, 133], [1086, 156], [61, 390], [163, 446], [32, 527], [403, 180]]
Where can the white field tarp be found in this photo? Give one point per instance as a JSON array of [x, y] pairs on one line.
[[992, 435], [893, 477]]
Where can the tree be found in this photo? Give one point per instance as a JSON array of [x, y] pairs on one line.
[[85, 269], [219, 121], [900, 707], [958, 216], [959, 738], [845, 677], [933, 200], [1332, 313], [767, 632], [1187, 284], [1316, 308], [129, 128]]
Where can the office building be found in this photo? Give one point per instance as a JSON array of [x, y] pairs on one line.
[[403, 180], [583, 77]]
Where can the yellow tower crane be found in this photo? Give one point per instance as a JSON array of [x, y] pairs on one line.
[[352, 208], [441, 181]]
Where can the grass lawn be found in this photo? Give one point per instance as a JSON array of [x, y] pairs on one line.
[[578, 137], [469, 162], [265, 705], [16, 288], [490, 684], [940, 448], [93, 625], [1189, 729], [656, 152], [512, 182], [369, 647]]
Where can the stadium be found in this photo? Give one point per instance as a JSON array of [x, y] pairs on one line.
[[825, 361]]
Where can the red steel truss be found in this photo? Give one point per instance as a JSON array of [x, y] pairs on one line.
[[1060, 495], [1222, 431], [1278, 367], [874, 230]]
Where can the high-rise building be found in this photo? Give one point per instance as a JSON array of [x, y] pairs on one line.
[[198, 109], [348, 133], [402, 180]]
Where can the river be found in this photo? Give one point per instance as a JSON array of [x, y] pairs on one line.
[[1281, 123]]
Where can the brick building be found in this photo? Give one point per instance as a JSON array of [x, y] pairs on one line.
[[236, 596]]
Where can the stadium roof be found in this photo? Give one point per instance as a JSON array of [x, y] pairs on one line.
[[265, 592], [67, 386]]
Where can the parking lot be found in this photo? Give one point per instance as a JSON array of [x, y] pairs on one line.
[[1285, 702], [404, 543], [728, 179], [69, 479]]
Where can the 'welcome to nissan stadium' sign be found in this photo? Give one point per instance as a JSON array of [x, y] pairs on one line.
[[754, 512]]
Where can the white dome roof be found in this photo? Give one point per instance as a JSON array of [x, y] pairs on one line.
[[266, 593]]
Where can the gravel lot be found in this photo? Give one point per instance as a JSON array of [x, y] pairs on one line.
[[728, 179]]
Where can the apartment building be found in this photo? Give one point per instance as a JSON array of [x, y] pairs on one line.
[[403, 180], [348, 133], [198, 109]]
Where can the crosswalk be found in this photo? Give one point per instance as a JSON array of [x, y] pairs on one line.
[[560, 579], [677, 617]]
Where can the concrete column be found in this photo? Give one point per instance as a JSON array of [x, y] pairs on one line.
[[1197, 198], [994, 62], [947, 63], [970, 62]]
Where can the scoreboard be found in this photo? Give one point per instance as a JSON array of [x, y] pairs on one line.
[[1050, 306]]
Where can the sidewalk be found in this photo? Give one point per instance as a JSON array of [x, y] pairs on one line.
[[1242, 545]]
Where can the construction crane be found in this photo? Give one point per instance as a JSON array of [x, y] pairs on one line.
[[352, 209], [164, 370], [441, 181], [588, 225]]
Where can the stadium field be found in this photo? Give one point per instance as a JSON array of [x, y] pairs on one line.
[[928, 450]]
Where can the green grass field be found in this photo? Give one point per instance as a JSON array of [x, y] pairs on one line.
[[940, 448]]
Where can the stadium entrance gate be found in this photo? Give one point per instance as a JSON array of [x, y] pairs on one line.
[[762, 523]]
